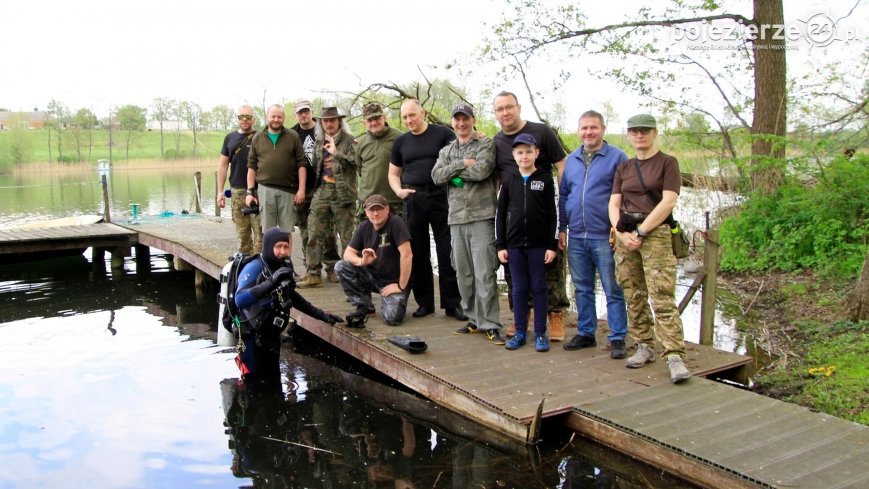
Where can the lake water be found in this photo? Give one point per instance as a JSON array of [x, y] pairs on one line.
[[111, 379]]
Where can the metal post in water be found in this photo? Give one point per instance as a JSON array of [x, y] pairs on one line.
[[106, 216]]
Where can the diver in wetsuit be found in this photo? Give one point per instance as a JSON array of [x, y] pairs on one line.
[[266, 292]]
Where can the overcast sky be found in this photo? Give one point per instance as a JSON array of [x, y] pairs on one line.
[[94, 54]]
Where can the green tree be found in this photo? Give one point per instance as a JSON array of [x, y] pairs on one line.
[[82, 129], [131, 119], [59, 118], [161, 111], [538, 32], [222, 118], [191, 114]]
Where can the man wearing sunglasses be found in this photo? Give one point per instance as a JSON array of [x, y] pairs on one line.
[[233, 163]]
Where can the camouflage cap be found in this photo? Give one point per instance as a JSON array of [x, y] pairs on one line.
[[642, 120], [372, 110]]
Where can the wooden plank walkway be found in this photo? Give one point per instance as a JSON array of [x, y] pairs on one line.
[[19, 242], [709, 433]]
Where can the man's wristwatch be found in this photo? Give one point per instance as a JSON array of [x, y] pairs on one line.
[[641, 234], [250, 191]]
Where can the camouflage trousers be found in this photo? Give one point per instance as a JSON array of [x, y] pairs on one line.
[[648, 275], [326, 217], [330, 256], [556, 284], [248, 229]]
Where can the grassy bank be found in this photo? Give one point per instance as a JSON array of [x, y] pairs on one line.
[[31, 146], [821, 360]]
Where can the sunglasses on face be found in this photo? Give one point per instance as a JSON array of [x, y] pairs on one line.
[[640, 130], [245, 117]]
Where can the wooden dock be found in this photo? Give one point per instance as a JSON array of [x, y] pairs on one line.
[[709, 433]]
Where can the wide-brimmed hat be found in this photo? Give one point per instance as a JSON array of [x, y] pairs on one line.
[[642, 120], [331, 113]]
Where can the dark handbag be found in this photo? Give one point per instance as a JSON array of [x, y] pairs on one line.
[[681, 243]]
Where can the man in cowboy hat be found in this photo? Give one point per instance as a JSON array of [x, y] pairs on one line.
[[306, 127], [334, 201]]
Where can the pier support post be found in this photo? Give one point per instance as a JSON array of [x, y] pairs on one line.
[[710, 288], [143, 258], [181, 265]]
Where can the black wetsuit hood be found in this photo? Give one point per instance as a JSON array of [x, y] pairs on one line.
[[271, 237]]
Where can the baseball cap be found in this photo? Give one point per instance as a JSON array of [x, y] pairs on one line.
[[375, 200], [464, 109], [642, 120], [300, 105], [524, 138], [372, 110]]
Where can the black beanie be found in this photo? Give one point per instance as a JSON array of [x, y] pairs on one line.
[[271, 237]]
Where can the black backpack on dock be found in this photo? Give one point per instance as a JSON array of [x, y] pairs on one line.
[[226, 297]]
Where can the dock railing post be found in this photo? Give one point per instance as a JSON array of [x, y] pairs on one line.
[[710, 288], [216, 192], [106, 216], [197, 180]]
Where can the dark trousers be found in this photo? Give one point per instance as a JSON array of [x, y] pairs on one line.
[[529, 275], [428, 207]]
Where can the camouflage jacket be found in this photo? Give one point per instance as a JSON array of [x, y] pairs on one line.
[[473, 199], [343, 167]]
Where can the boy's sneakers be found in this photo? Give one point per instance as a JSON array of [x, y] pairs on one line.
[[642, 356], [494, 335], [515, 342], [469, 328], [541, 343], [580, 341], [678, 370], [617, 349]]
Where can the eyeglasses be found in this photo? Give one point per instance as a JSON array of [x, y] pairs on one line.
[[505, 108], [245, 117], [640, 130]]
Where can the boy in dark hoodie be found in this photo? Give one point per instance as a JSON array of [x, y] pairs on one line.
[[526, 237]]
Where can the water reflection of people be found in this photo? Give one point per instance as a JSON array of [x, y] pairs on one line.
[[580, 473]]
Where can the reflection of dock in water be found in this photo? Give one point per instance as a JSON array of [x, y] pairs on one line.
[[706, 432]]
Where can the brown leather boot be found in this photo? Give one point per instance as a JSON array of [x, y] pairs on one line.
[[556, 326], [511, 330], [310, 280]]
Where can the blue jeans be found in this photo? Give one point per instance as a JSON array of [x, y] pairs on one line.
[[585, 256]]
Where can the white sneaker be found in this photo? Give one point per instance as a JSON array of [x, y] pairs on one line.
[[642, 356], [678, 370]]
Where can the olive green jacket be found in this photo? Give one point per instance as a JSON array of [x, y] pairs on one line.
[[475, 200]]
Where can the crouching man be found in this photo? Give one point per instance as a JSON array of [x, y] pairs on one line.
[[378, 259], [266, 292]]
